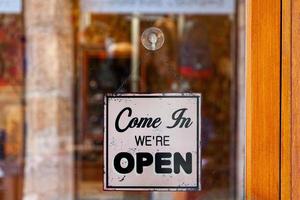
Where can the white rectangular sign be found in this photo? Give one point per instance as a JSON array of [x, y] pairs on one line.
[[152, 142], [10, 6], [159, 6]]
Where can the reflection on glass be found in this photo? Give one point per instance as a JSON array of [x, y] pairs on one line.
[[194, 54], [195, 57]]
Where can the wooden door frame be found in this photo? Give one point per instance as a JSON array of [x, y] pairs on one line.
[[295, 100], [273, 99], [286, 101], [263, 89], [290, 155]]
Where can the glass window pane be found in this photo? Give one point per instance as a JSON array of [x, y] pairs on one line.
[[198, 55], [203, 52]]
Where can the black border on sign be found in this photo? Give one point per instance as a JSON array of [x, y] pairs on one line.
[[194, 188]]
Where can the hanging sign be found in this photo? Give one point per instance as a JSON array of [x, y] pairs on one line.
[[159, 6], [10, 6], [152, 142]]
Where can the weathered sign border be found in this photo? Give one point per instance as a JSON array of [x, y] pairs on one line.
[[106, 185]]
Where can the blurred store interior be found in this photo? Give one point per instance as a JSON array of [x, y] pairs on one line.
[[57, 61]]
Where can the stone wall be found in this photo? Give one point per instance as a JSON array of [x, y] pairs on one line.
[[49, 98]]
